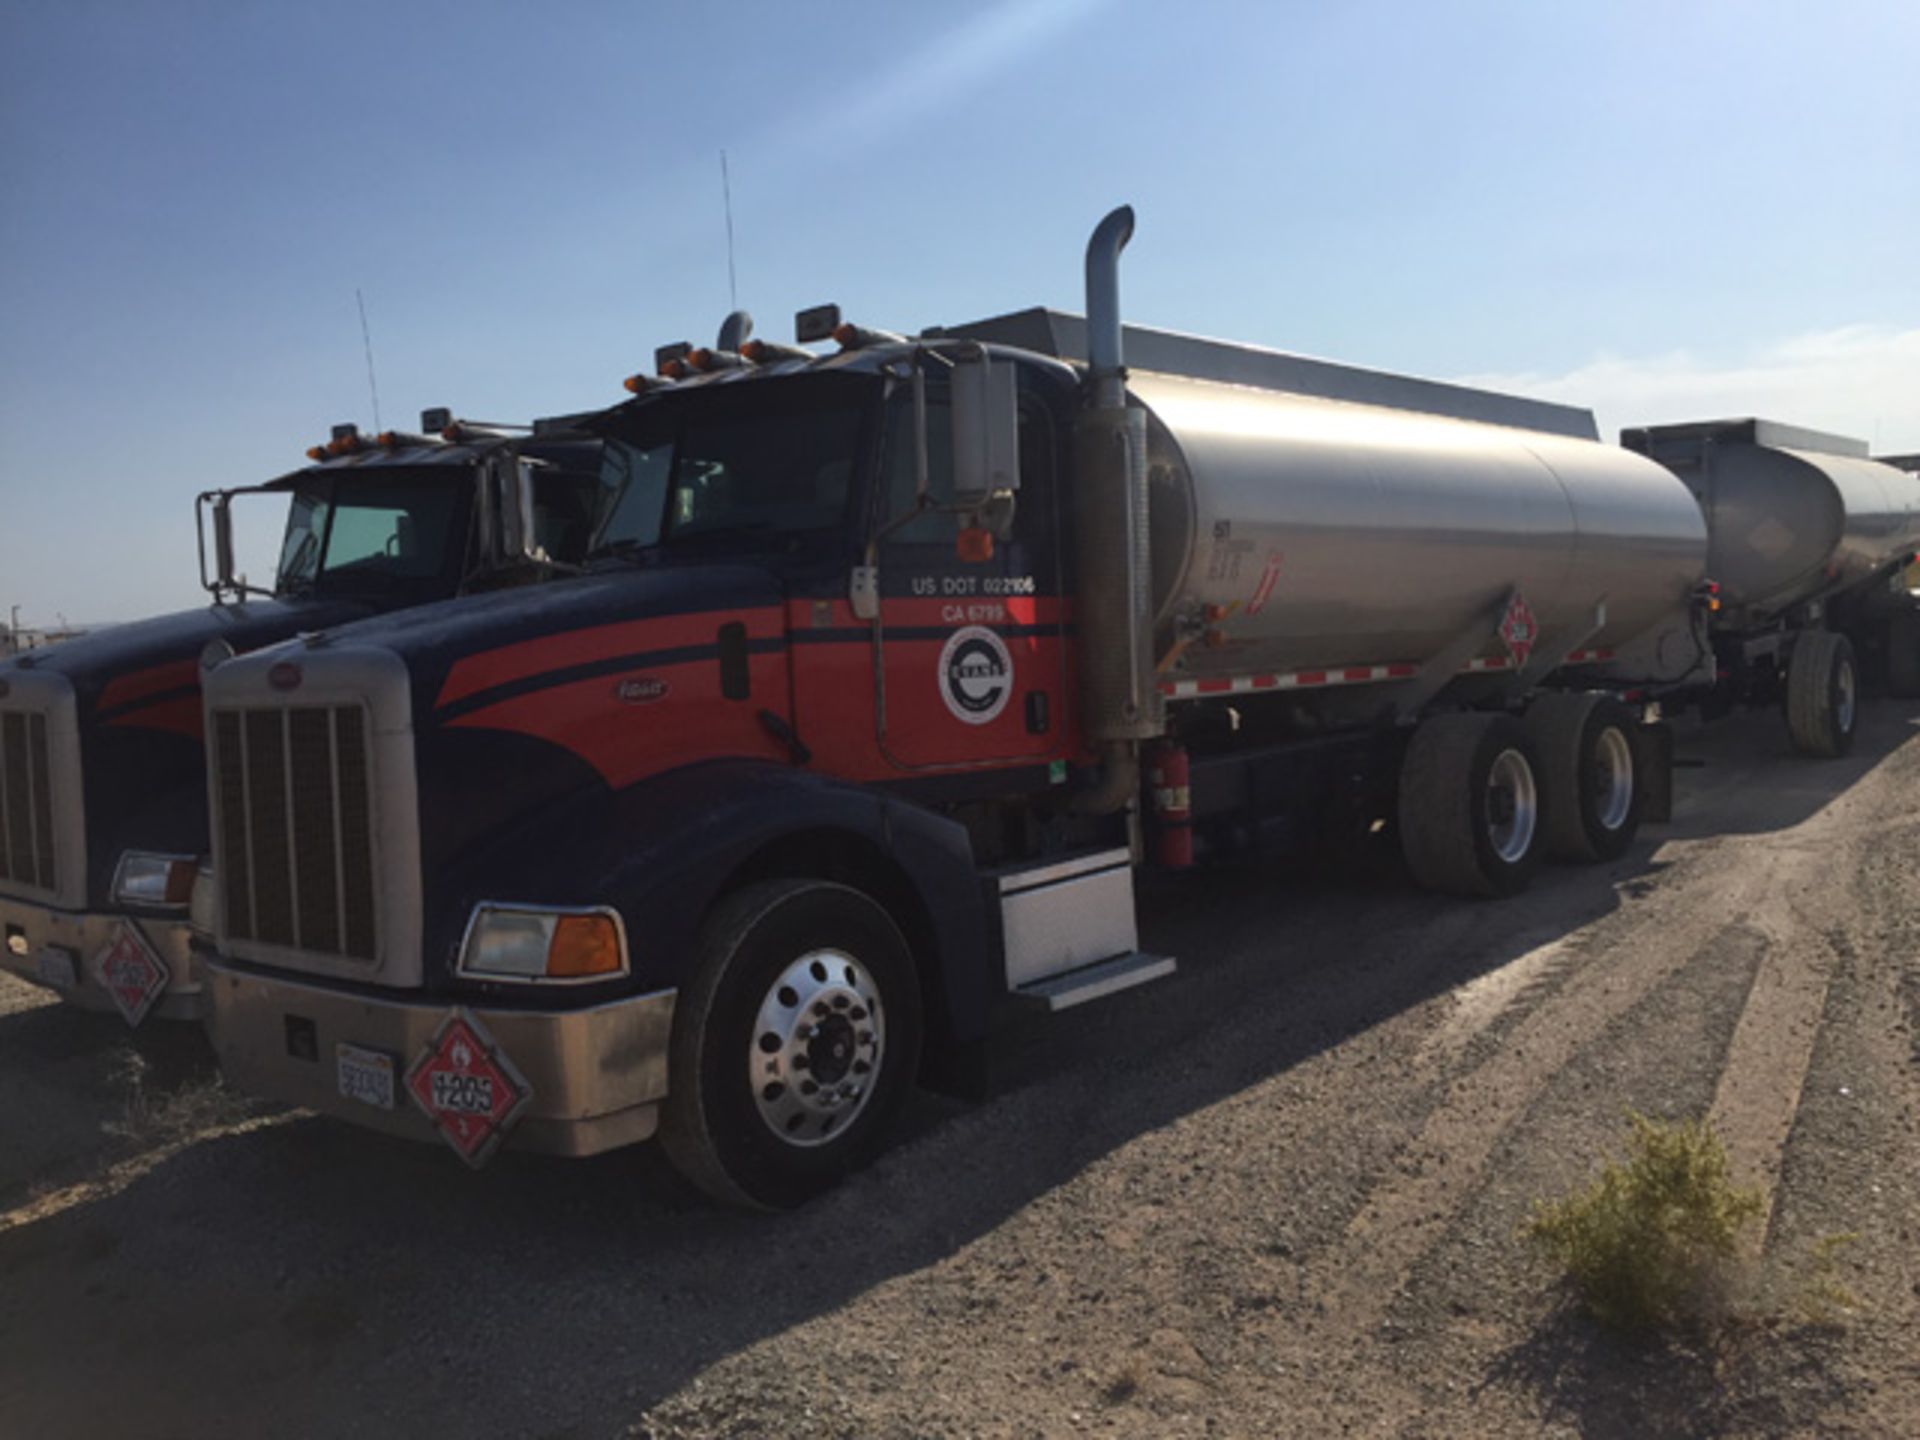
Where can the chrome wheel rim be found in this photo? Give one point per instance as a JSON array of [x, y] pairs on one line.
[[1843, 709], [1513, 807], [1612, 779], [815, 1050]]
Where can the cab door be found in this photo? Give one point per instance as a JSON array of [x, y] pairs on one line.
[[970, 654]]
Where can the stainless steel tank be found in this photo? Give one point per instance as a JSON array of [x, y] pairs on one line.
[[1325, 533], [1308, 515], [1792, 514]]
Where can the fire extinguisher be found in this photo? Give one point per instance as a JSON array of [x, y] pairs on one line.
[[1169, 783]]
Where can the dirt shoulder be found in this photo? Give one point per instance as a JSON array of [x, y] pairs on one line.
[[1279, 1194]]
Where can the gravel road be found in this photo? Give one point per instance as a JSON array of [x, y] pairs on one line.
[[1276, 1195]]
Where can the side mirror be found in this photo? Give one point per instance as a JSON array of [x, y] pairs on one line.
[[511, 478], [986, 429], [223, 544], [222, 582]]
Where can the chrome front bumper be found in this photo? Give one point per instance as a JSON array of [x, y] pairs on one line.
[[597, 1075], [37, 939]]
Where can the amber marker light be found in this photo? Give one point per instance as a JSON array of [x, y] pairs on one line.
[[583, 945], [765, 352], [974, 545]]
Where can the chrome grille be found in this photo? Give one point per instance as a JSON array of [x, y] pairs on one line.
[[26, 801], [295, 828]]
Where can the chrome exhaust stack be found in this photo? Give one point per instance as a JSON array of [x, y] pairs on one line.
[[1113, 613]]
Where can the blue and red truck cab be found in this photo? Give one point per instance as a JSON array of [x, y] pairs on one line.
[[486, 851], [103, 819]]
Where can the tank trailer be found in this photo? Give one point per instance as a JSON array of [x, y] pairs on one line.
[[103, 810], [1809, 546]]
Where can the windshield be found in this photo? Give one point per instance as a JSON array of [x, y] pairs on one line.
[[762, 463], [357, 533]]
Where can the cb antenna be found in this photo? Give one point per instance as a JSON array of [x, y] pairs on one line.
[[726, 197], [366, 340]]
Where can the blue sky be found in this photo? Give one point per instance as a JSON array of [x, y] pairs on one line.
[[1646, 208]]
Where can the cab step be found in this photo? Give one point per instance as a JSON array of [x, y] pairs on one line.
[[1095, 981]]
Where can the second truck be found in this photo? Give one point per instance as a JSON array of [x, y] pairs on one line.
[[103, 817]]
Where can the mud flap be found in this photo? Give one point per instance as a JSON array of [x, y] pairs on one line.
[[1653, 760]]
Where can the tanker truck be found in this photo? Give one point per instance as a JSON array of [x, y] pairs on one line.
[[1809, 544], [892, 667], [103, 818]]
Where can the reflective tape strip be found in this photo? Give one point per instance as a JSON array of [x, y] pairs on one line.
[[1338, 675], [1295, 680]]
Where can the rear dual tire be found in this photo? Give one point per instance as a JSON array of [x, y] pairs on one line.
[[1593, 798], [1469, 811]]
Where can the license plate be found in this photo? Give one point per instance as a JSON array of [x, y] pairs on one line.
[[364, 1075], [56, 968]]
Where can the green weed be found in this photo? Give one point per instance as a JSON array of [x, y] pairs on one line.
[[1650, 1243]]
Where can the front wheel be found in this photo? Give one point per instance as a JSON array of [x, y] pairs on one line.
[[793, 1045], [1470, 807]]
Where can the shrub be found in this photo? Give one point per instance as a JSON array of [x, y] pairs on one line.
[[1648, 1243]]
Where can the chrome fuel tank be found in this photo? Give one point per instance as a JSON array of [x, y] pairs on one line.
[[1792, 514], [1305, 532]]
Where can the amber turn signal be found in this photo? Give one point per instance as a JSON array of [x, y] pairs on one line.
[[583, 945]]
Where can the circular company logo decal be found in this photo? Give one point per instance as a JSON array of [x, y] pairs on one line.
[[976, 674]]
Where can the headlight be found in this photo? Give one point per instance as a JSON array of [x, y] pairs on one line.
[[531, 943], [155, 881]]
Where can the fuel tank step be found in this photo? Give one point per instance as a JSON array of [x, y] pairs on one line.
[[1095, 981]]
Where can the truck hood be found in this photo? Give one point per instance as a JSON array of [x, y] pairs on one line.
[[128, 668], [140, 778]]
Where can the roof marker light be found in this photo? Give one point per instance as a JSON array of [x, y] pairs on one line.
[[667, 359], [849, 336], [705, 359], [767, 352]]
